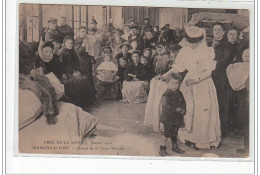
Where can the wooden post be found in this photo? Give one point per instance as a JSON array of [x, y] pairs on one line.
[[72, 16], [40, 21], [79, 15], [86, 16]]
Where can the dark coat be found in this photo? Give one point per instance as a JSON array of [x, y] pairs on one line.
[[135, 70], [121, 73], [145, 28], [171, 100], [53, 66], [147, 72], [223, 57], [166, 38], [85, 61], [69, 60]]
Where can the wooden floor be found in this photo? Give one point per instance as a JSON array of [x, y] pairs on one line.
[[122, 123]]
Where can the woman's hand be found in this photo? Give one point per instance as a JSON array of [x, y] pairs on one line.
[[76, 74], [64, 76], [189, 82], [160, 77], [131, 75]]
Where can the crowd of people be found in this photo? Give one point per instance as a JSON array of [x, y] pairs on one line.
[[121, 64]]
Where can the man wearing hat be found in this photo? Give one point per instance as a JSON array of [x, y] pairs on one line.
[[51, 33], [146, 27], [134, 36]]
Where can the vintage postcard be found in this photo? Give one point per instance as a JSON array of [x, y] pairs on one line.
[[133, 81]]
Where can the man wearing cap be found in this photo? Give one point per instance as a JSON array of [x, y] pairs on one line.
[[64, 29], [146, 27], [134, 36], [51, 33]]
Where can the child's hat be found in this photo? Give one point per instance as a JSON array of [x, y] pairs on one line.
[[146, 19]]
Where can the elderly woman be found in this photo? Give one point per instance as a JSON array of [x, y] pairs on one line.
[[202, 125], [134, 88]]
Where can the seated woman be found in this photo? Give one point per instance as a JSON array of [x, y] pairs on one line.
[[77, 86], [106, 76], [134, 88]]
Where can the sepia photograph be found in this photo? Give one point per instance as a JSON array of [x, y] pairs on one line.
[[133, 81]]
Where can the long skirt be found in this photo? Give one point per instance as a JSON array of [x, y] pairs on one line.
[[202, 123], [80, 90], [135, 91], [152, 110]]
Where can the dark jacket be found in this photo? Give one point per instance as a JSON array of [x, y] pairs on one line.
[[171, 100], [121, 73], [85, 61], [135, 70], [53, 66], [69, 60], [147, 72]]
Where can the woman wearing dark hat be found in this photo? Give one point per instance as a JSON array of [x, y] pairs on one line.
[[134, 88], [134, 36], [202, 124]]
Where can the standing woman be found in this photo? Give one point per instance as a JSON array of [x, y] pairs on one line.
[[233, 44], [219, 76], [202, 125]]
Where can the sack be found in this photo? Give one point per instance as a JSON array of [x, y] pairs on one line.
[[55, 82]]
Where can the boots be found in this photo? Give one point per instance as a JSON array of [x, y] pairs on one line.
[[176, 149], [163, 152]]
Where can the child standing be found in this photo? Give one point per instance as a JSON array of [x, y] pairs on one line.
[[161, 61], [173, 110]]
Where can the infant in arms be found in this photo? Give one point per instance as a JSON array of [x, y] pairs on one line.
[[107, 70]]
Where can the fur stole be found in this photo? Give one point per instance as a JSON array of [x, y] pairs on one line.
[[42, 88]]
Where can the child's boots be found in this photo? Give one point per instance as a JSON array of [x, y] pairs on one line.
[[163, 152], [176, 149]]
